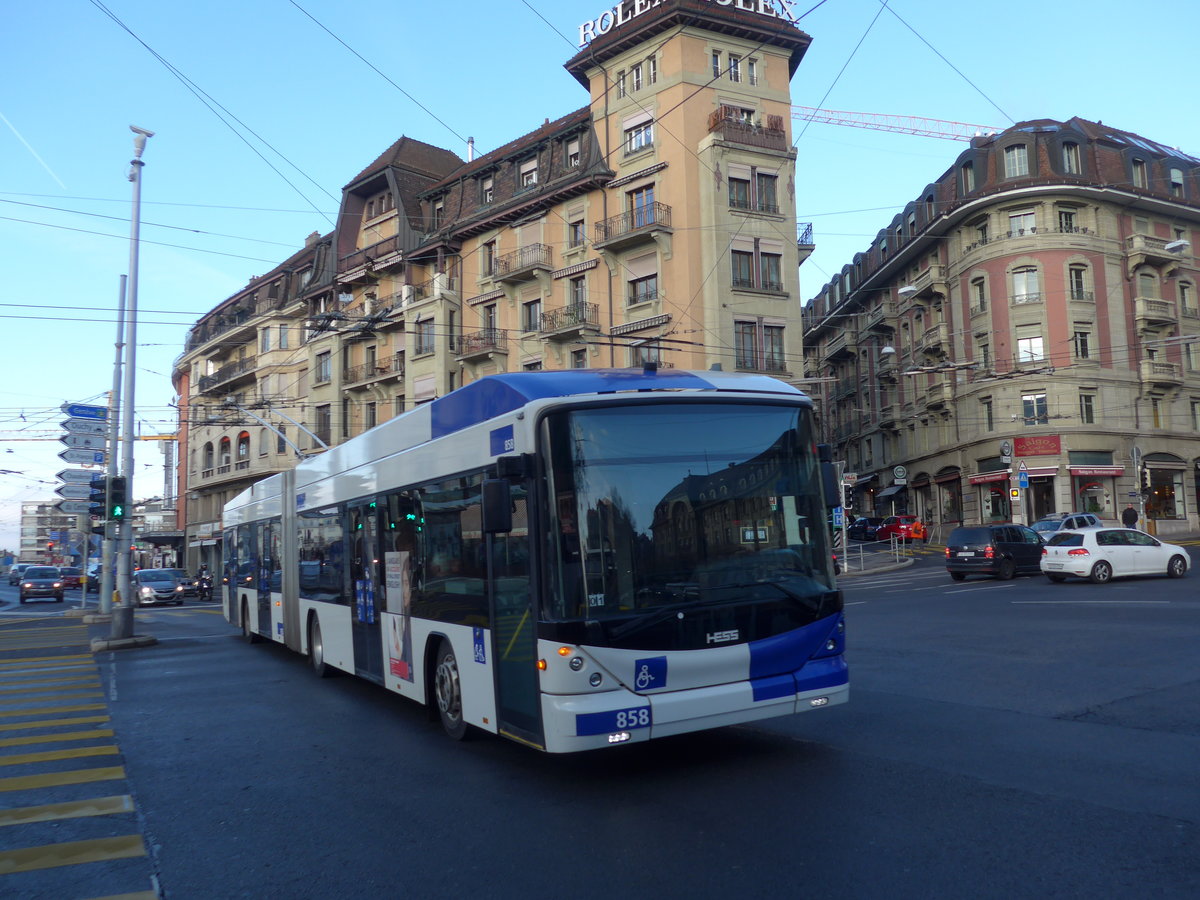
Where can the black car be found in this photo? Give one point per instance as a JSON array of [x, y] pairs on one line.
[[863, 528], [42, 581], [1003, 550]]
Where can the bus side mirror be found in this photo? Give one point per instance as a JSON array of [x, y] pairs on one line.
[[829, 481], [497, 506]]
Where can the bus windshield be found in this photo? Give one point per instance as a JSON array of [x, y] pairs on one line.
[[661, 507]]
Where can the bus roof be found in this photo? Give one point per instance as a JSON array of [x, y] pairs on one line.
[[494, 395]]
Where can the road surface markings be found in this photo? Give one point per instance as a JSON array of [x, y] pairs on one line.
[[1093, 602], [52, 710], [21, 759], [72, 853], [28, 687], [57, 779], [52, 723], [78, 809], [56, 737]]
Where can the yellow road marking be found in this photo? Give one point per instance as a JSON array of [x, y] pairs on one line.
[[74, 695], [18, 759], [77, 809], [51, 710], [76, 682], [57, 779], [73, 668], [50, 723], [30, 739], [44, 631], [73, 853], [4, 663]]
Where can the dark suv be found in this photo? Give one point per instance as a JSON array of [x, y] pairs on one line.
[[1003, 550]]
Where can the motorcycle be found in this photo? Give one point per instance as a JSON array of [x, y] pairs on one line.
[[204, 583]]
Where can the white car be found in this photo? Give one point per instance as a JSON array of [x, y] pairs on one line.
[[1102, 554]]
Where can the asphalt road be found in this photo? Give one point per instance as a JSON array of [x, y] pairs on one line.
[[1003, 739]]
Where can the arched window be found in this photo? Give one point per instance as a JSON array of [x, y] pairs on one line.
[[208, 455], [243, 446], [1147, 284], [223, 454]]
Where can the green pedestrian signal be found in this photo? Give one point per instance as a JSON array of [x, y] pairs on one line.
[[117, 499]]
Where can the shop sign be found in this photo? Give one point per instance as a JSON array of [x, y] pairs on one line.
[[1038, 445], [628, 10]]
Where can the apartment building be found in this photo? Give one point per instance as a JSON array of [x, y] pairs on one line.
[[655, 224], [49, 536], [1024, 338]]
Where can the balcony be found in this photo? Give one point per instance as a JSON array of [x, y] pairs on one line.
[[1165, 374], [768, 365], [732, 125], [370, 372], [842, 343], [1144, 250], [805, 244], [930, 283], [1151, 311], [571, 321], [936, 339], [480, 345], [637, 226], [360, 266], [881, 318], [937, 394], [523, 264], [228, 374]]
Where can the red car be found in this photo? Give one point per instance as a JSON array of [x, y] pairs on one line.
[[72, 577], [905, 528]]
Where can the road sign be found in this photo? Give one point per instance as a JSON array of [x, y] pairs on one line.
[[85, 426], [74, 491], [78, 476], [1023, 480], [83, 411], [86, 457], [839, 517], [83, 441], [73, 507]]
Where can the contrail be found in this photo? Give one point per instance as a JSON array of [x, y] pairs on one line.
[[31, 150]]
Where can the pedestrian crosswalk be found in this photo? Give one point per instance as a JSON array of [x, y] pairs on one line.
[[68, 826]]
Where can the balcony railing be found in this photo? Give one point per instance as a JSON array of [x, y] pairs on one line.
[[386, 367], [635, 224], [1018, 299], [228, 373], [1155, 372], [489, 340], [1153, 311], [522, 264], [1082, 295], [571, 318]]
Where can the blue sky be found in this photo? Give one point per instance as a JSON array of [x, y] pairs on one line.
[[225, 198]]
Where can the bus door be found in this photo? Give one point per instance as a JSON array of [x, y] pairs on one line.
[[367, 585], [268, 578], [514, 627]]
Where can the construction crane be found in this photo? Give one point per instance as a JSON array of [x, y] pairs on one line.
[[937, 128]]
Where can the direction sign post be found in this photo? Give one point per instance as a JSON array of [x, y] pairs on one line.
[[84, 441], [76, 476], [73, 507], [85, 457], [85, 426], [74, 491], [83, 411]]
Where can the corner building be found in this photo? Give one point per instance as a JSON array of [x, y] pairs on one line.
[[1031, 317], [656, 224]]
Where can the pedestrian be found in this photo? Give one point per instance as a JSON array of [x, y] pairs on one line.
[[1129, 516]]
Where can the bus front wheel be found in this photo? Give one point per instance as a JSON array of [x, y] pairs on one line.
[[448, 692], [251, 636], [316, 650]]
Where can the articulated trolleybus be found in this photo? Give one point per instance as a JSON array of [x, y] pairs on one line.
[[569, 559]]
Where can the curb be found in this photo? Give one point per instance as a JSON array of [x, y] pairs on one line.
[[138, 640], [890, 567]]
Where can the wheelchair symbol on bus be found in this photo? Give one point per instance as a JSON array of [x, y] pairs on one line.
[[650, 673]]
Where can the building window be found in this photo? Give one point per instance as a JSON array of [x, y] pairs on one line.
[[758, 346], [573, 153], [640, 354], [1191, 356], [370, 419], [978, 295], [487, 317], [716, 63], [989, 423], [424, 337], [765, 199], [1030, 349], [639, 137], [1175, 181], [531, 315], [743, 268], [620, 79], [1196, 415], [1141, 178], [1034, 408], [643, 290], [264, 340], [770, 270], [1077, 281], [281, 439], [487, 189], [754, 190], [757, 264], [576, 231], [1147, 285], [752, 71], [1087, 409], [1066, 221], [1187, 300], [735, 68], [488, 259], [324, 370], [579, 359], [534, 365], [529, 173], [968, 177], [1082, 343], [1070, 159], [984, 354], [635, 77], [739, 193], [577, 291], [283, 337], [1022, 222], [1025, 285], [641, 206], [1156, 412], [324, 424], [1016, 161], [1141, 225]]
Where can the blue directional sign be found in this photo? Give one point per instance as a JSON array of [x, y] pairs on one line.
[[83, 411]]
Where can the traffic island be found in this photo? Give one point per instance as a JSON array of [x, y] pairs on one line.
[[124, 643], [121, 636]]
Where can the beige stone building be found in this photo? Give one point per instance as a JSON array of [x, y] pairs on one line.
[[1031, 318], [655, 224]]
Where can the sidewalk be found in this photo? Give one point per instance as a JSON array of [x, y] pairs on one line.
[[870, 558]]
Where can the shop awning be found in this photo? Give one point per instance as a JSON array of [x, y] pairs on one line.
[[890, 491], [865, 479]]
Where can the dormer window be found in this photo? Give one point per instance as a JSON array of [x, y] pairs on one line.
[[1070, 159], [529, 173], [1141, 177], [487, 189], [572, 153], [1016, 161]]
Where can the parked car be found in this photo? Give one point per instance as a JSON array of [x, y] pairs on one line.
[[864, 528], [1102, 554], [1047, 525], [41, 581], [1002, 550], [152, 586], [906, 528], [14, 574], [72, 577]]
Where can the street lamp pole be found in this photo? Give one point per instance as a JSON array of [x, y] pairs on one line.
[[122, 621]]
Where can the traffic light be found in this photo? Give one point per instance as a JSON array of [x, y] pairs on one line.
[[848, 496], [49, 546], [98, 497], [117, 500]]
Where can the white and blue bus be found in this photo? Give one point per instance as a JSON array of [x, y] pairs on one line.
[[569, 559]]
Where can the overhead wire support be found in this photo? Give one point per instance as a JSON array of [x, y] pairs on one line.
[[915, 125]]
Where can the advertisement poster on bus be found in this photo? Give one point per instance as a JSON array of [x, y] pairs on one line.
[[396, 586]]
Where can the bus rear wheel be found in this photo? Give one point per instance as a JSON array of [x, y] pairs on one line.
[[316, 650], [447, 689]]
